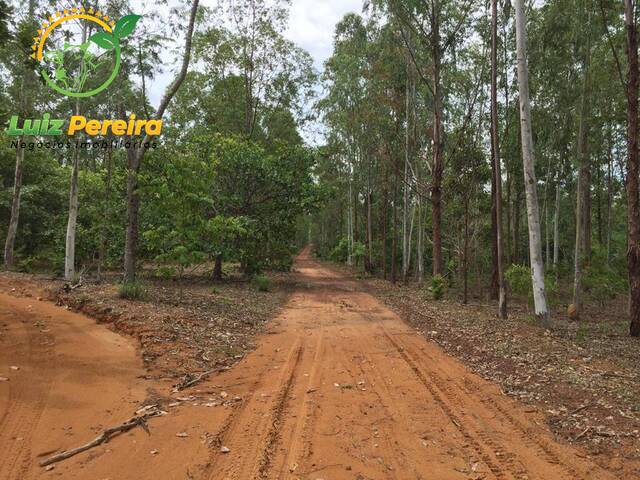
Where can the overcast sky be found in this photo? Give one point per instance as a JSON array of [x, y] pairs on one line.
[[313, 22]]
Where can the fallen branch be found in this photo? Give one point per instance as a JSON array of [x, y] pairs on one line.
[[578, 410], [105, 436], [67, 287], [190, 380], [582, 434]]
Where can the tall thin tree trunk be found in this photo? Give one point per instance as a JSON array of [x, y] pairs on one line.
[[517, 215], [408, 152], [385, 219], [420, 243], [9, 245], [547, 180], [405, 217], [633, 210], [369, 231], [107, 213], [410, 243], [556, 224], [533, 213], [12, 230], [583, 193], [133, 205], [585, 160], [135, 156], [494, 284], [577, 257], [438, 161], [497, 171], [370, 214], [599, 206], [350, 240], [72, 221], [394, 231], [465, 252], [609, 201], [509, 215]]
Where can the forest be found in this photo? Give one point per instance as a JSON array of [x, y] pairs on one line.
[[420, 172], [412, 248]]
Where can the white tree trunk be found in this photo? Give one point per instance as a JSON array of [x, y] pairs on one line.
[[530, 182], [410, 238], [405, 189], [15, 210], [70, 249], [556, 225], [70, 244]]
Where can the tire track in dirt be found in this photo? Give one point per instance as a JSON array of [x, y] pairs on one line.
[[391, 465], [434, 385], [277, 417], [298, 444], [379, 387], [253, 430], [530, 439], [385, 388]]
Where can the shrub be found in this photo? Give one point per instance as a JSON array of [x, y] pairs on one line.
[[359, 251], [438, 287], [165, 273], [519, 280], [262, 283], [42, 262], [132, 291], [341, 251], [600, 280]]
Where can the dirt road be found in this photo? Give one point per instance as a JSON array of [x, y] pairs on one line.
[[339, 388]]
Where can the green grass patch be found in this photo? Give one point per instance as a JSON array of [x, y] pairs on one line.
[[261, 283], [132, 291]]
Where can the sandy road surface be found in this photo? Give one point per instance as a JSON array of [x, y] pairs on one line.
[[339, 388]]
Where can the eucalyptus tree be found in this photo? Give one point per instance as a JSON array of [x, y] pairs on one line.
[[583, 193], [344, 105], [633, 167], [495, 161], [364, 108], [16, 59], [275, 73], [530, 182], [437, 26]]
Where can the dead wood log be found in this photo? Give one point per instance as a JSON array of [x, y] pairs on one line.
[[105, 436]]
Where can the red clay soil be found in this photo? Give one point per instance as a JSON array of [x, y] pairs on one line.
[[338, 388]]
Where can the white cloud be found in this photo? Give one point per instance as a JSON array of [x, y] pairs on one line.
[[313, 22]]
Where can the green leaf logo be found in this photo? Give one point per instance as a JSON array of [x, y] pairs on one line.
[[78, 81], [125, 25], [104, 40]]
